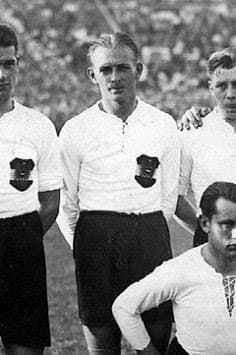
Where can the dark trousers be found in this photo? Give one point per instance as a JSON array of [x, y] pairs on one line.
[[23, 294], [113, 250]]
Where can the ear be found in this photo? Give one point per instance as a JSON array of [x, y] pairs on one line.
[[139, 70], [204, 223], [209, 84], [91, 75]]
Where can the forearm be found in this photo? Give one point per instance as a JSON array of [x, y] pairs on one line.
[[186, 212], [49, 206]]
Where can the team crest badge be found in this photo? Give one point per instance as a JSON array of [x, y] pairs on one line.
[[20, 173], [146, 167]]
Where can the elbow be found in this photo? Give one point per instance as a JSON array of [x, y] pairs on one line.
[[117, 309], [114, 308]]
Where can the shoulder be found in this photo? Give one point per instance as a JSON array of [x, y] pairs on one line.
[[182, 262], [83, 121], [156, 117], [34, 117], [198, 133]]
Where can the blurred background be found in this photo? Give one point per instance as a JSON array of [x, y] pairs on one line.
[[175, 39]]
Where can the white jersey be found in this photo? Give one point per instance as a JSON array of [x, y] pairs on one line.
[[203, 305], [29, 160], [129, 167], [208, 154]]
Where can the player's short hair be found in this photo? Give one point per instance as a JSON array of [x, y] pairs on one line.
[[8, 37], [226, 59], [113, 40], [219, 189]]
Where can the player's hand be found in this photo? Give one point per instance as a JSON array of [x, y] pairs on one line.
[[193, 117], [149, 350]]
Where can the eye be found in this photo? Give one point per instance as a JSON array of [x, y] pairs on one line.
[[9, 64], [221, 86], [226, 227], [105, 70]]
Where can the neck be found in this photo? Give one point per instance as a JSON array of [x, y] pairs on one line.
[[6, 107], [223, 264], [232, 122], [120, 109]]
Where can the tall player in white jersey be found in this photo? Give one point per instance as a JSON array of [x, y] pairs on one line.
[[121, 165]]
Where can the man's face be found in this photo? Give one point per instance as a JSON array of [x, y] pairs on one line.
[[8, 71], [223, 88], [115, 72], [221, 229]]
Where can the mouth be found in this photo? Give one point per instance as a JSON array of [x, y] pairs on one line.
[[231, 247], [230, 107], [116, 89], [4, 86]]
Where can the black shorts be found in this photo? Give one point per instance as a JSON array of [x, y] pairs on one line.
[[200, 237], [111, 251], [23, 295]]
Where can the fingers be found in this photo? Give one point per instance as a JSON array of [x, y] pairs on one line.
[[192, 117], [189, 118], [204, 111], [180, 125]]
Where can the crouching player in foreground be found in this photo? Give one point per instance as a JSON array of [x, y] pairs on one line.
[[200, 283]]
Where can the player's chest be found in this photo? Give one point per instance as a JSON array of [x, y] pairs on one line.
[[123, 146], [215, 155]]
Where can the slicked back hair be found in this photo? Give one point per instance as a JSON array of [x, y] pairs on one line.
[[8, 37], [113, 40], [225, 59], [220, 189]]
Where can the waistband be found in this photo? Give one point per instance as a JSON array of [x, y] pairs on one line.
[[9, 221], [120, 214]]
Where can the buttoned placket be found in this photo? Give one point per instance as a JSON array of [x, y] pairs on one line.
[[124, 125]]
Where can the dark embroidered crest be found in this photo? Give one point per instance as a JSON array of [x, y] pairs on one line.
[[146, 167], [20, 173]]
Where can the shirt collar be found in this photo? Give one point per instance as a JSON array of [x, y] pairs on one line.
[[138, 114]]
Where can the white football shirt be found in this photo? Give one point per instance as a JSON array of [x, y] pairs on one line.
[[29, 160]]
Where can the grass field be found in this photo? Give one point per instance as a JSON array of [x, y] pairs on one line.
[[67, 338]]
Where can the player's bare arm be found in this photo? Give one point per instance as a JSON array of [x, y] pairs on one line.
[[49, 206]]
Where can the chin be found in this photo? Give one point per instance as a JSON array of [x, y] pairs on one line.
[[231, 114], [231, 254]]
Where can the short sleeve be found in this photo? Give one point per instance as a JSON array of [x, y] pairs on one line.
[[49, 166]]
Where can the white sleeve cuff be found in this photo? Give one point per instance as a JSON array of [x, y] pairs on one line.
[[49, 183]]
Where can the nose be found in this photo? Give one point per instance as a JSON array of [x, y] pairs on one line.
[[231, 92], [2, 72], [115, 76], [234, 233]]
